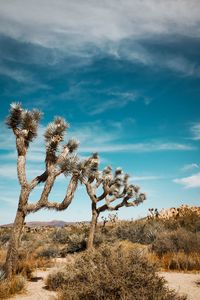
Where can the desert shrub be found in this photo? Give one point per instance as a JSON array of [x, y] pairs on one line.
[[12, 286], [142, 231], [60, 235], [76, 243], [176, 240], [49, 252], [4, 237], [115, 272], [190, 221], [99, 238]]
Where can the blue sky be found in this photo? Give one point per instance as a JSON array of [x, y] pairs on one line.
[[125, 74]]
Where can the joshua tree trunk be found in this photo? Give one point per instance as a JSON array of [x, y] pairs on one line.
[[12, 254], [93, 224]]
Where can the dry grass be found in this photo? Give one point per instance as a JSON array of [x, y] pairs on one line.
[[27, 266], [176, 261], [2, 256], [181, 261], [11, 287]]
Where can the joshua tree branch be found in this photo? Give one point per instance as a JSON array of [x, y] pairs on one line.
[[21, 170], [37, 180], [98, 183], [91, 192], [45, 203], [106, 191]]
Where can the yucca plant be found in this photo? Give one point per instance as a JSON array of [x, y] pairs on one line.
[[117, 191], [59, 159]]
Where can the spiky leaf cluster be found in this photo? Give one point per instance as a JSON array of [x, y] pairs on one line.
[[72, 145], [107, 175], [15, 116], [69, 165], [55, 130], [88, 168], [25, 121], [30, 120], [53, 135]]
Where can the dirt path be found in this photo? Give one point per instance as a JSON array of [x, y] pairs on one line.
[[183, 283], [35, 289]]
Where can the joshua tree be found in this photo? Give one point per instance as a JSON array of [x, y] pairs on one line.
[[116, 192], [59, 159]]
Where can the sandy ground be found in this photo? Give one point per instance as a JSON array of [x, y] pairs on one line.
[[35, 289], [184, 284]]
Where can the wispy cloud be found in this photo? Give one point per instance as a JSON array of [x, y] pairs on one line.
[[18, 75], [118, 100], [137, 147], [192, 181], [145, 178], [93, 137], [190, 167], [195, 130], [9, 171], [9, 198]]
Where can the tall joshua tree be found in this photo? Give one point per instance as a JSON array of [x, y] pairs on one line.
[[116, 192], [59, 159]]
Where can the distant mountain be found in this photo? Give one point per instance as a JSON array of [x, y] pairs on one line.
[[54, 223]]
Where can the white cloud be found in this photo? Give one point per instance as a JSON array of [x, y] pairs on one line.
[[195, 129], [192, 181], [87, 28], [53, 23]]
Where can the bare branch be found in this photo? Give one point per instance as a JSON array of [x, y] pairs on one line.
[[37, 180], [45, 203]]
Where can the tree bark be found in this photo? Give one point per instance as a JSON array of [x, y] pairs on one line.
[[93, 224], [10, 266]]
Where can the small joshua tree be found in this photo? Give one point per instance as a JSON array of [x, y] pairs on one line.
[[24, 124], [116, 192]]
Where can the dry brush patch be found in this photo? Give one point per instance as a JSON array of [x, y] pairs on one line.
[[113, 272], [12, 286]]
